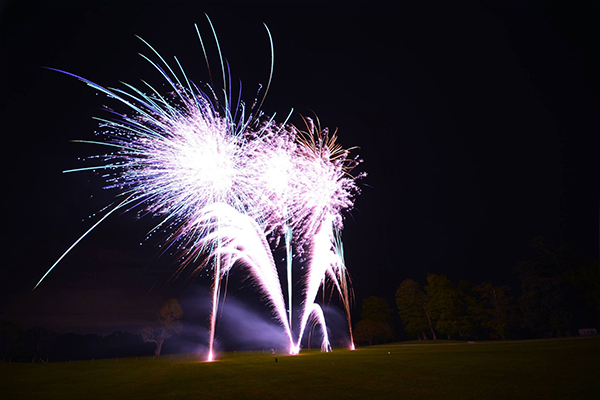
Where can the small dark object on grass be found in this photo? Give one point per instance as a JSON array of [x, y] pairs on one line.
[[275, 359]]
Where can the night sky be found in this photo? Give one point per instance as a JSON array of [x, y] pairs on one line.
[[476, 123]]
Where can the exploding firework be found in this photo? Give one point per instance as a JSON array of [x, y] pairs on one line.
[[227, 185]]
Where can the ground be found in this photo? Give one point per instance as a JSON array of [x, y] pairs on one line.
[[557, 369]]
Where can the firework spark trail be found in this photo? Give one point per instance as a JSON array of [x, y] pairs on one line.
[[240, 239], [224, 184], [321, 262], [196, 162], [325, 188], [343, 285], [289, 259], [316, 316], [322, 184]]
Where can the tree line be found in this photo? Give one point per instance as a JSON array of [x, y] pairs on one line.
[[39, 344], [559, 293]]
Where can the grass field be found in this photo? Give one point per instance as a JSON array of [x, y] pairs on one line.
[[554, 369]]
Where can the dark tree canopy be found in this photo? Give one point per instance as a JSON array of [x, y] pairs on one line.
[[412, 306], [543, 304], [375, 326], [447, 307], [373, 332], [494, 308], [376, 309], [168, 323]]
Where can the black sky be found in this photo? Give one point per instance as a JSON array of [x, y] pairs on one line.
[[478, 124]]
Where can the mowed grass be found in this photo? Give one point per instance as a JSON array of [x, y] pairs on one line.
[[557, 369]]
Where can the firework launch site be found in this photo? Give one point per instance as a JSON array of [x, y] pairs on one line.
[[559, 369]]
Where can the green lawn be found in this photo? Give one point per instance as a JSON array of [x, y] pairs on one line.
[[558, 369]]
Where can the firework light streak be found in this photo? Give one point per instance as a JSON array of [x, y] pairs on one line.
[[227, 185], [238, 238]]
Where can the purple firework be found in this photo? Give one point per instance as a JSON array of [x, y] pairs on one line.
[[225, 182]]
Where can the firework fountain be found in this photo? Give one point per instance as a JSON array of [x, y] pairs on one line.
[[228, 185]]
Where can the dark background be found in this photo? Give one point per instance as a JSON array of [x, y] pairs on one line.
[[477, 123]]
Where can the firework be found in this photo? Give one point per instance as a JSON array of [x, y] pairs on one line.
[[227, 185]]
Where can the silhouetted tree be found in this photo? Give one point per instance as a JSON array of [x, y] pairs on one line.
[[542, 304], [586, 280], [376, 309], [367, 330], [39, 342], [412, 306], [375, 325], [468, 308], [552, 259], [494, 307], [555, 286], [445, 306], [122, 344], [168, 319]]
